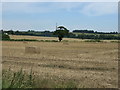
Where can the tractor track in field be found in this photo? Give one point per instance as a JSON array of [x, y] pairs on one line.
[[24, 61]]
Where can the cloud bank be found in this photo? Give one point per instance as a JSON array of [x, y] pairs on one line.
[[97, 9], [89, 9], [60, 0], [96, 15]]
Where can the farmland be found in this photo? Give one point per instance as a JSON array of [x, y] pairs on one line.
[[86, 64]]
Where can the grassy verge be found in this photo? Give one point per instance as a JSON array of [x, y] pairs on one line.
[[115, 41], [22, 79], [48, 40], [20, 40], [30, 40], [93, 40], [34, 40]]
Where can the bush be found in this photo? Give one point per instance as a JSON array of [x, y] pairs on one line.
[[17, 79], [5, 36], [21, 79]]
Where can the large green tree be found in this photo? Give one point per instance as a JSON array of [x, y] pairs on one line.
[[61, 32]]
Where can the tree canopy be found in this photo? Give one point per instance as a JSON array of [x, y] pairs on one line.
[[61, 32]]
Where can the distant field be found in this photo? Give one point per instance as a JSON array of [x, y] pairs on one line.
[[41, 38], [52, 38], [87, 64]]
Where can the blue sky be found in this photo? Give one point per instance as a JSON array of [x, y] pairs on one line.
[[98, 16]]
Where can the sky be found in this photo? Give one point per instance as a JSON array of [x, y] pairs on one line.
[[59, 0], [41, 16]]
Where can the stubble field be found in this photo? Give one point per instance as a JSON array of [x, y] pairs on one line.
[[87, 64]]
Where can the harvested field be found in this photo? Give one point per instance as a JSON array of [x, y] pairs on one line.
[[88, 64], [41, 38]]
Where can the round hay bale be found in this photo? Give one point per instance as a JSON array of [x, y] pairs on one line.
[[65, 43], [32, 50]]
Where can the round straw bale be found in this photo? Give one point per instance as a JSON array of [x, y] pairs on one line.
[[65, 43], [32, 50]]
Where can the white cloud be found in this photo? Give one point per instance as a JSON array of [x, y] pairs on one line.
[[90, 9], [38, 7], [97, 9], [25, 8], [68, 6], [59, 0]]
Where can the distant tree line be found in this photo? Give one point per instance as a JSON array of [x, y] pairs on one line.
[[83, 31], [81, 34], [91, 31], [30, 33], [99, 36]]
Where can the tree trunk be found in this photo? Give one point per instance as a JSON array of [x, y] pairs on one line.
[[60, 39]]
